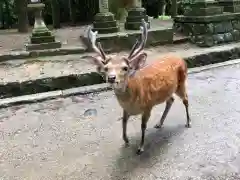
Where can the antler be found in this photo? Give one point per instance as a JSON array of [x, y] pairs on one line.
[[139, 45], [92, 37]]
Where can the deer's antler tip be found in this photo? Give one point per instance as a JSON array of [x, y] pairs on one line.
[[89, 28], [144, 22]]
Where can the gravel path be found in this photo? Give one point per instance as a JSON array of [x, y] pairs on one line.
[[53, 140]]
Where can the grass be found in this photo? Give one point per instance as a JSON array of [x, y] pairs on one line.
[[164, 17]]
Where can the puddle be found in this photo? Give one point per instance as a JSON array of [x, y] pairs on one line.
[[90, 113]]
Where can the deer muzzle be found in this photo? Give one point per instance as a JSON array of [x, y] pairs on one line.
[[111, 79]]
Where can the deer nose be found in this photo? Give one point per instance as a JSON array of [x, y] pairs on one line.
[[111, 78]]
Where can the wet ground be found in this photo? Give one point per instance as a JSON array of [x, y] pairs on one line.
[[56, 140]]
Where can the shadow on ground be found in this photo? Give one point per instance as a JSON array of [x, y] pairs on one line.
[[156, 144]]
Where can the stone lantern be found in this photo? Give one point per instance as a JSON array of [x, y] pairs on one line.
[[104, 21], [42, 37], [135, 15]]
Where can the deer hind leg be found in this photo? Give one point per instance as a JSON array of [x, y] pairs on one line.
[[168, 106], [181, 92], [145, 118], [124, 128]]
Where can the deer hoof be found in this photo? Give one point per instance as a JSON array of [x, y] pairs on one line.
[[120, 119], [188, 126], [127, 144], [126, 141], [139, 151], [158, 126]]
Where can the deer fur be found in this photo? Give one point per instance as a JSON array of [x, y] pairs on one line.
[[138, 88], [153, 84]]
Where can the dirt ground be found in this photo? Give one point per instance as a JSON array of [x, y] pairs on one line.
[[14, 41], [11, 40]]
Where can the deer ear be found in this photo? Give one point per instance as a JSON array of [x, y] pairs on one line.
[[139, 61], [98, 61]]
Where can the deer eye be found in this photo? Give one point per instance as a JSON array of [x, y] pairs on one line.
[[106, 69], [125, 68]]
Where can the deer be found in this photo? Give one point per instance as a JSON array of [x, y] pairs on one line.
[[138, 87]]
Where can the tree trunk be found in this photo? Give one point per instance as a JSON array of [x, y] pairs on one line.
[[55, 14], [7, 15], [2, 15], [127, 3], [21, 6], [72, 11]]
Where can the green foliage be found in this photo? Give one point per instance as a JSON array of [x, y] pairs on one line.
[[84, 11], [8, 15], [184, 6], [187, 1]]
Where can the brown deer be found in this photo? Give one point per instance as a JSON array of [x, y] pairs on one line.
[[139, 88]]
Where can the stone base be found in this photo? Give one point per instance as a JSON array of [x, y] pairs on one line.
[[134, 18], [41, 35], [42, 38], [233, 9], [42, 46], [125, 40], [202, 11], [105, 23], [232, 6], [207, 31]]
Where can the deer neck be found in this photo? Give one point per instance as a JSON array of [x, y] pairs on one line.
[[125, 93]]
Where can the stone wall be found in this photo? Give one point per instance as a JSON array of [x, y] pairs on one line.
[[209, 32], [207, 24]]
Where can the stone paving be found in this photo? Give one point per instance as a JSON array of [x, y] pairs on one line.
[[54, 140]]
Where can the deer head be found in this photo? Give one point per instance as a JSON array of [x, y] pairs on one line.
[[117, 69]]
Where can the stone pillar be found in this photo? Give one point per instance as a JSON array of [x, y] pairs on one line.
[[104, 21], [135, 14], [42, 37], [174, 9], [206, 24]]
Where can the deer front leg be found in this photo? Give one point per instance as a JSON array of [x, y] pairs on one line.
[[145, 118], [124, 127]]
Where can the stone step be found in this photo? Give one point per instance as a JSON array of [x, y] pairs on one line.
[[65, 50], [125, 39], [107, 30], [42, 39], [43, 46], [106, 24]]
